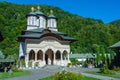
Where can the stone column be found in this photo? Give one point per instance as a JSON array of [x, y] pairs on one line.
[[68, 58], [26, 59], [61, 59], [44, 59], [43, 56], [54, 59], [35, 56]]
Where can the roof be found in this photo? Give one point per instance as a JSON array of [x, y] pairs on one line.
[[40, 33], [34, 30], [1, 55], [51, 16], [33, 13], [88, 55], [7, 60], [39, 30], [39, 12], [68, 38], [116, 45], [36, 13], [34, 35]]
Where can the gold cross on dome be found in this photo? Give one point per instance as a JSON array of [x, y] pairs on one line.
[[32, 9], [38, 8], [51, 11]]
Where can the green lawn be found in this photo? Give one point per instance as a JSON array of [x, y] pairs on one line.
[[14, 74], [110, 75], [85, 78]]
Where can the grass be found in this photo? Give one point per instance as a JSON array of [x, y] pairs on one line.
[[85, 78], [110, 75], [4, 75]]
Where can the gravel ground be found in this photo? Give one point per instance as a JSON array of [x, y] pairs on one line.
[[51, 70]]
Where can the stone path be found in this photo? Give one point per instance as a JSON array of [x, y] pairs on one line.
[[100, 77], [50, 70], [83, 70], [35, 75]]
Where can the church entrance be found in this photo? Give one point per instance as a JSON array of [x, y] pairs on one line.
[[49, 55]]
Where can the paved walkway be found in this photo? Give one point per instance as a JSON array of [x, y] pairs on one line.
[[48, 71], [83, 70]]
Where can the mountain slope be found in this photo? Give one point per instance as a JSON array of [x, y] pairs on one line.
[[89, 31]]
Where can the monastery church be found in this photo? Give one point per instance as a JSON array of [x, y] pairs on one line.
[[41, 42]]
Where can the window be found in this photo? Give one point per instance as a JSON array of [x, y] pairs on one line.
[[32, 20]]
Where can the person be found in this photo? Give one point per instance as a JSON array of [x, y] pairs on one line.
[[5, 69], [10, 71]]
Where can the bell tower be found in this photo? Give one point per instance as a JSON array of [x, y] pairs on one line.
[[41, 22], [52, 21], [31, 20]]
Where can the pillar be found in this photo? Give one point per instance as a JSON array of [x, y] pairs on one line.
[[61, 59], [54, 59], [35, 56], [68, 58], [26, 59], [44, 59]]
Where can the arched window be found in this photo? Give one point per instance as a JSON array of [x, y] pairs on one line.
[[58, 55], [40, 55], [52, 23], [32, 55], [32, 21], [65, 54]]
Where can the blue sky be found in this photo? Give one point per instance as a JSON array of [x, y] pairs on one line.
[[106, 10]]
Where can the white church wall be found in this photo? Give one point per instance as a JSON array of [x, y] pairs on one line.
[[45, 44]]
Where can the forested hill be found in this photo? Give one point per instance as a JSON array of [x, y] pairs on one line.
[[115, 23], [89, 31]]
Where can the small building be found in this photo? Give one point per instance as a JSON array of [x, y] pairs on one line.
[[41, 42], [82, 56], [85, 59], [116, 48], [5, 63]]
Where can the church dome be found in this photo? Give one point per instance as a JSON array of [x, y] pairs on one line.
[[51, 16], [32, 13], [39, 12]]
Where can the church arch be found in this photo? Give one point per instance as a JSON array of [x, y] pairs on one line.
[[49, 56], [40, 55], [65, 53], [58, 55], [32, 55]]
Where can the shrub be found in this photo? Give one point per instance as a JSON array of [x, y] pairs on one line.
[[17, 70], [117, 69], [22, 63], [74, 61], [64, 75], [30, 63], [69, 64], [85, 64], [105, 70], [36, 64]]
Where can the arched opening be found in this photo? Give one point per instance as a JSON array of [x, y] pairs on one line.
[[40, 55], [49, 55], [32, 55], [65, 53], [58, 56]]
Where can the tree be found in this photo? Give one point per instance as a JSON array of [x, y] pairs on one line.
[[103, 55]]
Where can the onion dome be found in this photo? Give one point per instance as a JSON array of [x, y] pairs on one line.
[[51, 15]]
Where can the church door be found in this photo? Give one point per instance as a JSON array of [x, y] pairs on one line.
[[49, 55]]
